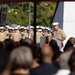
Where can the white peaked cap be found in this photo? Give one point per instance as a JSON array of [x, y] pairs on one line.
[[12, 28], [9, 27], [1, 27], [16, 27], [32, 27], [42, 27], [25, 27], [55, 23], [47, 28], [40, 30], [37, 26], [22, 27]]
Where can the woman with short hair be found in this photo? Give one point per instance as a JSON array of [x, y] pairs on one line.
[[20, 61]]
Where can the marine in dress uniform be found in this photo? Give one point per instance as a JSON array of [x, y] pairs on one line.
[[38, 36], [31, 34], [7, 33], [2, 34], [22, 32], [16, 36], [58, 33], [25, 33]]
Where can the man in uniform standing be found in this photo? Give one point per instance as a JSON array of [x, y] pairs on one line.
[[16, 36], [58, 33], [25, 33], [2, 34], [38, 36], [31, 34]]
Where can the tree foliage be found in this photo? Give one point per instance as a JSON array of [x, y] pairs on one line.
[[18, 13]]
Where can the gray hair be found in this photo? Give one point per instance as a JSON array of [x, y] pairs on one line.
[[63, 60], [21, 56]]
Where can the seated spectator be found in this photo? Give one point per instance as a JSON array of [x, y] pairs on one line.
[[63, 62], [56, 59], [72, 40], [2, 45], [56, 51], [54, 45], [46, 67], [28, 40], [20, 61], [3, 60], [72, 63], [36, 54], [6, 41], [69, 44], [9, 45], [23, 43]]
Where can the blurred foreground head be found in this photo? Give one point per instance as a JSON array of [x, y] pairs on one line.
[[20, 58], [28, 40], [72, 61], [47, 53], [70, 44], [35, 51], [54, 45], [63, 60]]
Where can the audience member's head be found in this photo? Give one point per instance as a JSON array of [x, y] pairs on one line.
[[69, 44], [54, 45], [71, 62], [72, 40], [28, 40], [56, 59], [9, 44], [35, 51], [2, 45], [16, 44], [3, 60], [6, 41], [23, 43], [36, 55], [56, 55], [47, 53], [20, 58], [63, 60]]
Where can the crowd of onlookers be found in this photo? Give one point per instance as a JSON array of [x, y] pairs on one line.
[[26, 58]]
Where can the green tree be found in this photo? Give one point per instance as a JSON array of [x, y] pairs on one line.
[[19, 13]]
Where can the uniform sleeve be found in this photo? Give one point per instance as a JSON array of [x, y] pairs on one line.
[[12, 36], [63, 34], [53, 34], [41, 35]]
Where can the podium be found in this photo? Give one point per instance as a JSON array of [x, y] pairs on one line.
[[58, 41], [42, 41]]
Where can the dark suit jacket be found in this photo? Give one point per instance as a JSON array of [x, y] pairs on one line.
[[44, 69]]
